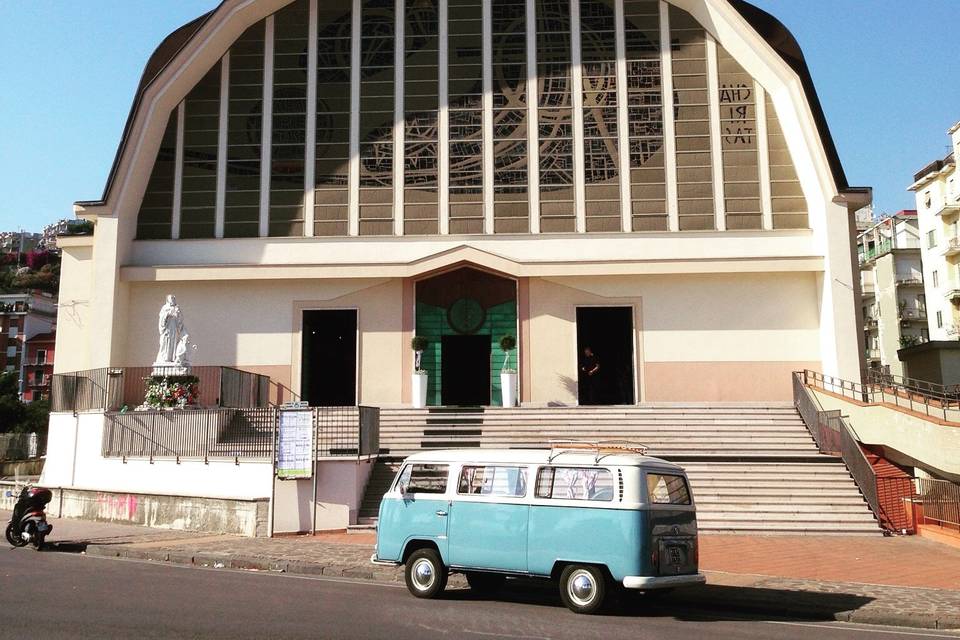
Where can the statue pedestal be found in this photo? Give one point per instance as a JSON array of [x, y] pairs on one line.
[[170, 369]]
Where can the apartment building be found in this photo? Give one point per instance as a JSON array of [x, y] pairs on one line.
[[937, 188], [891, 279], [23, 316]]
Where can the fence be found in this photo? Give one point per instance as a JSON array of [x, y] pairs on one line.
[[941, 501], [931, 399], [834, 436], [235, 433], [22, 446], [109, 389]]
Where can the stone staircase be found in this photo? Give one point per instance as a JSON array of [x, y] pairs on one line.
[[753, 468]]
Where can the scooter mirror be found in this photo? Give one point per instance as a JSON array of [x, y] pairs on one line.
[[9, 494]]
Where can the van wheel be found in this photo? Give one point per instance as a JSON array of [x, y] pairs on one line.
[[582, 588], [485, 583], [425, 574]]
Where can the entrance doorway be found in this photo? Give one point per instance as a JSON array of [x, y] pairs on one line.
[[608, 333], [328, 359], [465, 370]]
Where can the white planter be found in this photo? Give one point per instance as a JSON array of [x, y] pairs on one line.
[[420, 390], [508, 389]]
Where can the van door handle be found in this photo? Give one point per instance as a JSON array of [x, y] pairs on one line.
[[441, 512]]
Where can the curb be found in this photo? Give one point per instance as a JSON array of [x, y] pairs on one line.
[[701, 596]]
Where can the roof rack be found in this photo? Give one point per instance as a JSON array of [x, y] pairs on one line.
[[600, 447]]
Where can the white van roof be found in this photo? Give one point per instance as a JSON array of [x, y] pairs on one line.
[[539, 456]]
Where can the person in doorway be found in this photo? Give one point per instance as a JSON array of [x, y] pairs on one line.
[[589, 370]]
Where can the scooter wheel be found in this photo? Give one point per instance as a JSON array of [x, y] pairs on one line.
[[13, 538]]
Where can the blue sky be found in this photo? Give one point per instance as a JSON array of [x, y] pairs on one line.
[[885, 70]]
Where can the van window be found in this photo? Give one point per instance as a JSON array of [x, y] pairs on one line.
[[424, 478], [667, 489], [571, 483], [493, 481]]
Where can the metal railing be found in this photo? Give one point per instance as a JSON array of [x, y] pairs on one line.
[[245, 433], [834, 436], [941, 501], [878, 250], [928, 398], [109, 389], [22, 446]]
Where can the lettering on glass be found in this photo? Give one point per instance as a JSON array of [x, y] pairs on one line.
[[736, 114]]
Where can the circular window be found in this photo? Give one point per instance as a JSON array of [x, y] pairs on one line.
[[466, 315]]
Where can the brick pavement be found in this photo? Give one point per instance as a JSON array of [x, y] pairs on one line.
[[901, 581]]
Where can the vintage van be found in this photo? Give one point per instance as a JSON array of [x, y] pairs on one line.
[[590, 516]]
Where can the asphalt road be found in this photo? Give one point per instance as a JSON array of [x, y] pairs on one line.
[[58, 595]]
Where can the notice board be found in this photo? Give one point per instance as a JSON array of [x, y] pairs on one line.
[[295, 445]]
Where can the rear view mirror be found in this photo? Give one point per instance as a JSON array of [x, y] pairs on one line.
[[402, 488], [9, 494]]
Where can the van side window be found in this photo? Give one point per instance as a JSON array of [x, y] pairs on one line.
[[667, 489], [570, 483], [493, 481], [424, 478]]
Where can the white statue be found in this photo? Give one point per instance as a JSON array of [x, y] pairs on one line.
[[172, 332], [182, 357]]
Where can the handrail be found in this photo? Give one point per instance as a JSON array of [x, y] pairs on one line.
[[931, 399], [835, 436]]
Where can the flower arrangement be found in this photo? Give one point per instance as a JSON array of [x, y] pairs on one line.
[[507, 343], [172, 392], [419, 344]]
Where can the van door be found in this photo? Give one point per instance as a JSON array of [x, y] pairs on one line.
[[418, 512], [672, 524], [489, 518]]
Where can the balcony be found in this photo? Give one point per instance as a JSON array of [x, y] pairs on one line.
[[43, 381], [876, 251], [913, 314], [867, 288], [950, 211], [873, 354], [953, 295], [952, 248], [870, 323], [909, 280]]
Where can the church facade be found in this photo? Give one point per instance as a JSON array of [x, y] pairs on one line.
[[319, 182]]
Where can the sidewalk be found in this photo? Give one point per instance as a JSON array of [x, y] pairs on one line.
[[874, 580]]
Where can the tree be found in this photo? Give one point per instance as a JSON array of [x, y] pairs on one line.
[[11, 409]]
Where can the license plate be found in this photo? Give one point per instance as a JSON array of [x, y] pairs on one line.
[[676, 556]]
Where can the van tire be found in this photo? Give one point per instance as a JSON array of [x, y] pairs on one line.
[[425, 575], [583, 588], [485, 583]]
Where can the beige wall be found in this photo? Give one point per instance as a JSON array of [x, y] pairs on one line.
[[699, 338], [73, 312], [255, 326]]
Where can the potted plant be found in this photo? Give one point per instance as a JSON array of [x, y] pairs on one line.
[[508, 376], [420, 378]]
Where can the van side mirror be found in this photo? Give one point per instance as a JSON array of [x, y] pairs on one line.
[[9, 494], [402, 488]]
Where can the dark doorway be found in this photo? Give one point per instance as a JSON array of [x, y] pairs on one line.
[[608, 332], [465, 370], [328, 364]]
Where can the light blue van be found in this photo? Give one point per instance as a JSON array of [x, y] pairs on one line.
[[590, 516]]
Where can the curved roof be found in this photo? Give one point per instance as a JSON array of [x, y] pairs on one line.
[[767, 26], [537, 456]]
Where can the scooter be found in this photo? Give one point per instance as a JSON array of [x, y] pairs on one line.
[[28, 524]]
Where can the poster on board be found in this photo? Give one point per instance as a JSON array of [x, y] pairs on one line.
[[295, 445]]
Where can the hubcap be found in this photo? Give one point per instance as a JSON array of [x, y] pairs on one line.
[[581, 587], [423, 574]]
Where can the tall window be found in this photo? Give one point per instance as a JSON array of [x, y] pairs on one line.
[[200, 151], [601, 146], [241, 216], [738, 144], [648, 191], [156, 209], [377, 38], [695, 204], [510, 163], [465, 77], [555, 116], [789, 205], [291, 29], [420, 105], [332, 177], [939, 319], [931, 238]]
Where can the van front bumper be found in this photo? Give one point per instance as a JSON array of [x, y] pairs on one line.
[[646, 583]]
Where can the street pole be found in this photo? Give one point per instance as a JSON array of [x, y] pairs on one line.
[[273, 475]]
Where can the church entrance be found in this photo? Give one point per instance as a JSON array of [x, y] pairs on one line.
[[328, 364], [607, 332], [463, 314]]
